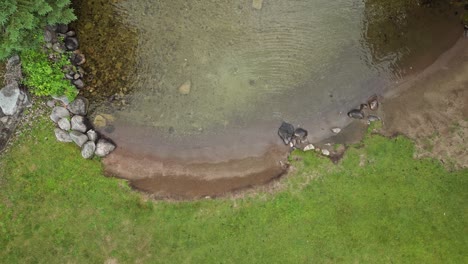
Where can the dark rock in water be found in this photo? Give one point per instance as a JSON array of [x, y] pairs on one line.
[[62, 136], [356, 113], [79, 106], [79, 138], [373, 103], [286, 132], [78, 123], [62, 28], [104, 148], [58, 113], [78, 83], [77, 58], [109, 129], [87, 151], [300, 134], [71, 43]]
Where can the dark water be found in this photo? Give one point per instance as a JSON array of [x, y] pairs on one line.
[[304, 61]]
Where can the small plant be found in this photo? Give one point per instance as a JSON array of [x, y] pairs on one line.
[[45, 76]]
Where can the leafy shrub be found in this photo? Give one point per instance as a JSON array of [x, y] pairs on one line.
[[44, 76], [21, 20]]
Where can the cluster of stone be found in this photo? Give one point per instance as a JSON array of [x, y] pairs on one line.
[[13, 99], [60, 40], [73, 126]]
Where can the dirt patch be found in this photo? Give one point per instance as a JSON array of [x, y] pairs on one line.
[[431, 108], [173, 178]]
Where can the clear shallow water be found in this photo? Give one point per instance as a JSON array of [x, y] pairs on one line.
[[306, 62]]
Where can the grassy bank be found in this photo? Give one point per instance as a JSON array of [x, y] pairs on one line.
[[377, 205]]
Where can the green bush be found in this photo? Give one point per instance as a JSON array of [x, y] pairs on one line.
[[44, 76], [20, 20]]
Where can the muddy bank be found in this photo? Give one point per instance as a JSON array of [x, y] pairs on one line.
[[432, 108]]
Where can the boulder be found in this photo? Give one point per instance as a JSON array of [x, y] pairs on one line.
[[58, 113], [87, 151], [62, 136], [64, 124], [372, 118], [286, 132], [50, 36], [78, 123], [373, 103], [104, 148], [13, 61], [79, 138], [79, 106], [9, 96], [77, 58], [71, 43], [92, 135]]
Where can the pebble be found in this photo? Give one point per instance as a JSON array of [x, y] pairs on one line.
[[325, 152], [336, 130], [309, 147], [185, 88]]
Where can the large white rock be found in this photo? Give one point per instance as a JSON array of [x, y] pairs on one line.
[[9, 96], [87, 151], [78, 123]]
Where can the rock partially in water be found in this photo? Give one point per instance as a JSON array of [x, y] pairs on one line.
[[257, 4], [70, 33], [286, 132], [309, 147], [356, 114], [64, 124], [373, 103], [58, 113], [373, 118], [104, 148], [300, 134], [99, 121], [71, 43], [185, 88], [87, 151], [336, 130], [92, 135], [78, 83], [79, 138], [62, 136], [9, 96], [77, 58], [79, 106], [78, 123]]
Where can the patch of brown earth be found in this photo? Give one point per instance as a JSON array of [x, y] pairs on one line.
[[174, 178], [432, 108]]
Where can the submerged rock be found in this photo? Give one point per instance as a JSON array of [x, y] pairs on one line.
[[9, 96], [62, 136], [257, 4], [104, 148], [58, 113], [78, 123], [336, 130], [356, 113], [87, 151], [286, 132], [79, 138], [185, 88]]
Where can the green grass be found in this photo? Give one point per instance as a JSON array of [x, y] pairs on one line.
[[378, 205]]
